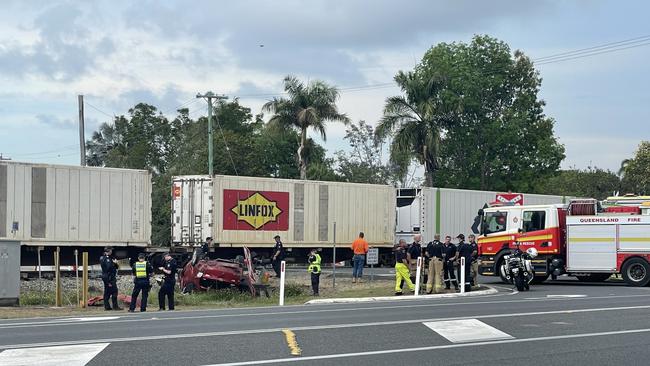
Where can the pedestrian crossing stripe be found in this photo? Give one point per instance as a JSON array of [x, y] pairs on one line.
[[76, 355], [467, 330]]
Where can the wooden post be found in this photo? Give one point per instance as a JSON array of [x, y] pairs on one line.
[[58, 299], [84, 280]]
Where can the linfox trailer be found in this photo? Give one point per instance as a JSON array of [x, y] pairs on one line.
[[247, 211], [47, 206], [445, 211]]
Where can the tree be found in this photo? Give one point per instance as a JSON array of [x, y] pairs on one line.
[[591, 182], [415, 122], [307, 107], [485, 103], [637, 172]]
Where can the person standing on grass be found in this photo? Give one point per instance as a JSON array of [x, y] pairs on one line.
[[169, 269], [109, 277], [278, 255], [314, 269], [359, 249], [402, 274], [142, 270], [412, 253]]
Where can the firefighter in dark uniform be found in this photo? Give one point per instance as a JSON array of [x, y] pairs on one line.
[[472, 242], [314, 269], [412, 253], [465, 250], [142, 269], [278, 255], [168, 269], [434, 253], [109, 277], [448, 257]]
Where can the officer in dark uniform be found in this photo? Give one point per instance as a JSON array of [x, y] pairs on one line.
[[472, 242], [465, 250], [142, 270], [205, 247], [278, 255], [412, 253], [448, 257], [109, 277], [434, 253], [168, 269]]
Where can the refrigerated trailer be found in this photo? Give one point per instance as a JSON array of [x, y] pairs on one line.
[[46, 206], [445, 211], [247, 211]]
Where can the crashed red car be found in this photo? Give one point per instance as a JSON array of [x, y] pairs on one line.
[[205, 274]]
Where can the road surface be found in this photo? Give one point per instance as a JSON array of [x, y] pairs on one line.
[[561, 322]]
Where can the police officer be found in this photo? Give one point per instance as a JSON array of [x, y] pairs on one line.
[[448, 257], [205, 247], [109, 277], [168, 269], [278, 255], [465, 250], [434, 253], [472, 242], [314, 268], [141, 272], [412, 253]]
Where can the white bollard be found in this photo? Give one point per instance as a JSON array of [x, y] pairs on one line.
[[417, 276], [462, 275], [282, 283]]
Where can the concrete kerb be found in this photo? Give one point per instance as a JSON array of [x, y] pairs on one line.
[[489, 291]]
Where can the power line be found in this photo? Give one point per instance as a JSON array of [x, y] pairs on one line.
[[226, 145], [594, 53], [99, 110], [593, 48]]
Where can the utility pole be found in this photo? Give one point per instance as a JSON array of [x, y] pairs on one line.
[[209, 96], [82, 134]]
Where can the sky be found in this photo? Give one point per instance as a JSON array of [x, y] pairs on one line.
[[120, 53]]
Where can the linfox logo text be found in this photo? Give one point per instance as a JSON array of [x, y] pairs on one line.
[[256, 210]]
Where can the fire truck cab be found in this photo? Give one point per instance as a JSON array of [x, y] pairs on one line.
[[580, 239]]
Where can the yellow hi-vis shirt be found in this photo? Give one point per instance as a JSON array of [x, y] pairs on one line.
[[141, 269], [314, 267]]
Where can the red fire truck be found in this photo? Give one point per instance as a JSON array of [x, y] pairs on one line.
[[580, 239]]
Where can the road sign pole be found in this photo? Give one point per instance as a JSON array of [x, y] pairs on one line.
[[282, 270], [372, 273], [417, 276], [462, 275]]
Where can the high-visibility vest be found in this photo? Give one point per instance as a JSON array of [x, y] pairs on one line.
[[314, 267], [141, 269]]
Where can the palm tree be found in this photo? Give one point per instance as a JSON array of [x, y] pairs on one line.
[[307, 106], [415, 122]]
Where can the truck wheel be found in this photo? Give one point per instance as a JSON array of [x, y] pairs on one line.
[[594, 277], [498, 268], [636, 272], [519, 282]]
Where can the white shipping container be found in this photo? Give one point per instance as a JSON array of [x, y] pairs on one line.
[[59, 205], [450, 211], [251, 211]]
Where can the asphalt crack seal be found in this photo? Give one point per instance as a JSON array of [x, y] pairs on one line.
[[291, 342]]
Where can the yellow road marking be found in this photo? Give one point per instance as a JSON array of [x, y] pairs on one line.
[[291, 342]]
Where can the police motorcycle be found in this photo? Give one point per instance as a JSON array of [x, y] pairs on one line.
[[517, 268]]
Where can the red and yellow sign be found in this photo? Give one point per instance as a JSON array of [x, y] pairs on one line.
[[255, 210]]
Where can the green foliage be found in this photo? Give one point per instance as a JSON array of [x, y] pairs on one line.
[[471, 112], [636, 171], [307, 107], [591, 182]]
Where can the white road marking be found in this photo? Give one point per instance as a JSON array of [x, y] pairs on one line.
[[270, 313], [315, 327], [88, 319], [565, 296], [432, 348], [77, 355], [466, 330]]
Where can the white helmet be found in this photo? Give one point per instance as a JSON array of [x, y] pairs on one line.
[[532, 252]]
